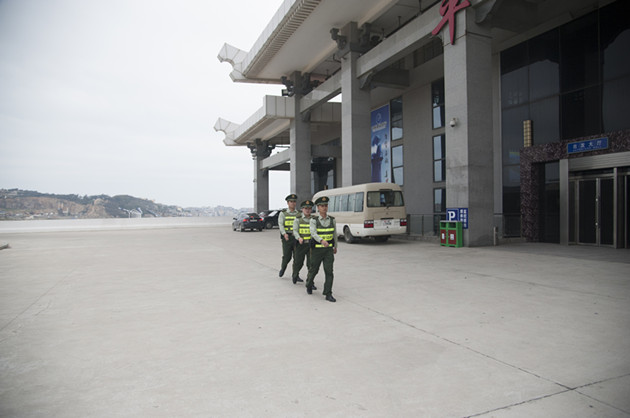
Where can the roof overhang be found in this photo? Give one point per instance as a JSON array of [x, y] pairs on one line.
[[298, 37], [271, 123]]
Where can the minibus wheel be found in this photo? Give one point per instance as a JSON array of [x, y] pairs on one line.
[[347, 236]]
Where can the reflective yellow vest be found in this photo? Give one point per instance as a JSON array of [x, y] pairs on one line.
[[325, 233], [305, 228], [288, 222]]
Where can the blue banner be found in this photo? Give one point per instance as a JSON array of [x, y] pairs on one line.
[[380, 149]]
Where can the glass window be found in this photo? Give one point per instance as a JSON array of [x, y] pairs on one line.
[[398, 175], [351, 202], [511, 189], [579, 53], [343, 206], [397, 164], [581, 113], [439, 200], [358, 202], [514, 86], [332, 204], [512, 133], [614, 104], [439, 156], [437, 94], [545, 115], [544, 67], [396, 109], [385, 198], [615, 40]]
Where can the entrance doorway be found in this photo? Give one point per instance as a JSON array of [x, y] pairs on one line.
[[593, 219]]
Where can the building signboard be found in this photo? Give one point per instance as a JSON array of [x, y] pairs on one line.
[[448, 8], [587, 145]]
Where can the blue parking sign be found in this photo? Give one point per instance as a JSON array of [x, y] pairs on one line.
[[458, 215]]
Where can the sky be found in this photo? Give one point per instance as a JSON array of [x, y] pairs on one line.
[[121, 97]]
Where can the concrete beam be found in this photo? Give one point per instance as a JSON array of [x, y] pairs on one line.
[[276, 160], [322, 94], [400, 43]]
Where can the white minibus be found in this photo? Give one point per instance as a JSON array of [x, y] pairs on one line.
[[367, 210]]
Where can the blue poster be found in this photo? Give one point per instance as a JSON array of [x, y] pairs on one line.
[[380, 149]]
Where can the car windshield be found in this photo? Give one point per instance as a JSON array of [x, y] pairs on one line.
[[252, 215]]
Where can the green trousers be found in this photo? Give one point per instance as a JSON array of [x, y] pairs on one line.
[[327, 257], [288, 248], [301, 251]]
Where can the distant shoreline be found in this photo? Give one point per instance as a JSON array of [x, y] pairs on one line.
[[56, 225]]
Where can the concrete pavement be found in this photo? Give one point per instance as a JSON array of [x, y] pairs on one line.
[[194, 322]]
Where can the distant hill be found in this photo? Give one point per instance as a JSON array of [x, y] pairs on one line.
[[26, 204]]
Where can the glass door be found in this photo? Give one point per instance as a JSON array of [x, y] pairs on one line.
[[587, 211], [595, 202]]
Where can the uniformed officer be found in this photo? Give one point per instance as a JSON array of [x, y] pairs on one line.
[[302, 234], [285, 223], [324, 247]]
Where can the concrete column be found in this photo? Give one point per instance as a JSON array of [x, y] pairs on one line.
[[355, 120], [469, 144], [300, 149], [261, 186]]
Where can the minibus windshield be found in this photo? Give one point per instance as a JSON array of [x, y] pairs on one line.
[[385, 198]]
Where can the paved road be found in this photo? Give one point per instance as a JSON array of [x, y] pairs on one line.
[[194, 322]]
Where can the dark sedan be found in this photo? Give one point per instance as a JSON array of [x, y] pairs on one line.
[[270, 218], [247, 221]]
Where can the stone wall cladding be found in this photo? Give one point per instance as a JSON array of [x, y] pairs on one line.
[[532, 173]]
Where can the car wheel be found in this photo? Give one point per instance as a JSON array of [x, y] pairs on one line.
[[348, 237], [269, 225]]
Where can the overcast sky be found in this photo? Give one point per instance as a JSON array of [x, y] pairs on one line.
[[121, 96]]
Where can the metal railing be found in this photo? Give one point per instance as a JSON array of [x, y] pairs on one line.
[[424, 224], [428, 224]]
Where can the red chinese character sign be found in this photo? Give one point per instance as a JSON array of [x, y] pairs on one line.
[[447, 11]]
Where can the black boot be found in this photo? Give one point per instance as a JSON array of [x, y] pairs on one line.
[[330, 298]]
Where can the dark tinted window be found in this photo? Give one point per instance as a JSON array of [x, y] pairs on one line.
[[384, 198], [581, 113], [579, 53], [546, 117], [615, 40], [544, 67]]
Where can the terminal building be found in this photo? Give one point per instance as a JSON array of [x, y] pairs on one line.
[[514, 115]]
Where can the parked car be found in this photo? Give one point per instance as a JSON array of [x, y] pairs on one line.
[[270, 218], [247, 221]]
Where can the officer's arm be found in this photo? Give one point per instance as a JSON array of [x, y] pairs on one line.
[[281, 223], [335, 237], [313, 228], [296, 228]]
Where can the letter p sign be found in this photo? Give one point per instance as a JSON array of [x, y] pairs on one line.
[[451, 215]]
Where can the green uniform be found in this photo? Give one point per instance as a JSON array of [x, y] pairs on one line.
[[301, 229], [322, 229], [285, 223]]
